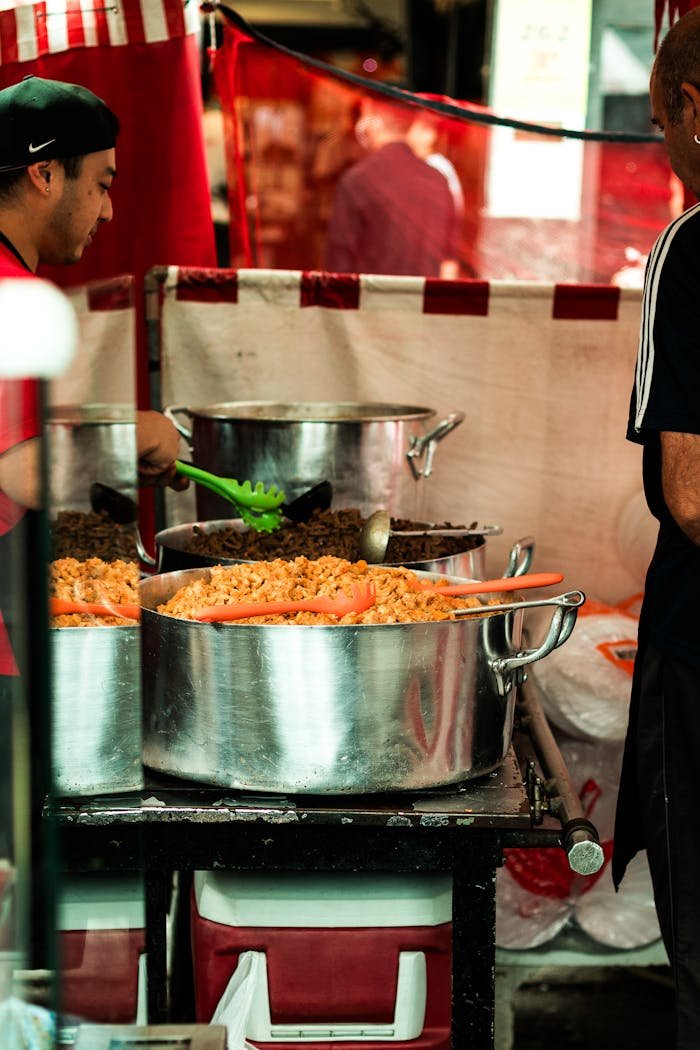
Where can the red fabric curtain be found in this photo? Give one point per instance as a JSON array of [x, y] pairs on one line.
[[291, 138], [142, 59], [673, 9]]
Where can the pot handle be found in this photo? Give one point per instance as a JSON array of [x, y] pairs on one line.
[[427, 443], [170, 412], [143, 554], [521, 555], [560, 627]]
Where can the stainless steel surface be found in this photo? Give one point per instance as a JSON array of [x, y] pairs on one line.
[[90, 443], [496, 801], [377, 531], [172, 555], [96, 709], [371, 453], [327, 709]]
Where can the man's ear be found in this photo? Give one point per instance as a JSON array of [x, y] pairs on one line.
[[691, 99], [41, 175]]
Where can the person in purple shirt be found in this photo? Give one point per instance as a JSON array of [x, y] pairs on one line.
[[392, 213]]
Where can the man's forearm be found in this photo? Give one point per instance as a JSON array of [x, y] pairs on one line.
[[19, 474], [681, 480]]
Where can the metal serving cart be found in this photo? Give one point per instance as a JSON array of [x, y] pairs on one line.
[[172, 826]]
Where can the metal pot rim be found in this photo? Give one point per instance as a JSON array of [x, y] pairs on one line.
[[96, 414], [163, 538], [311, 411], [104, 627]]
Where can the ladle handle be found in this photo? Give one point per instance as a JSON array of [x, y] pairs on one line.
[[485, 530], [63, 606]]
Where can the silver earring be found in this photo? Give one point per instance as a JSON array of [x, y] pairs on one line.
[[696, 140]]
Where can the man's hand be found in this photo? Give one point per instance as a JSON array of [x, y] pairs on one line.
[[157, 443], [680, 474]]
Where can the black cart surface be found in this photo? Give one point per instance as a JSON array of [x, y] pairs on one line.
[[175, 826]]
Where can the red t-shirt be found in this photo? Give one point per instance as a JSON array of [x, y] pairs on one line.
[[19, 421]]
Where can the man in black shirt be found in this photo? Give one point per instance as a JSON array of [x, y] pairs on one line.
[[658, 800]]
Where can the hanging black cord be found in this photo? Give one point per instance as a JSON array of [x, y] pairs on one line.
[[407, 98]]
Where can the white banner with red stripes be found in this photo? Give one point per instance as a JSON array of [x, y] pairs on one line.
[[30, 29], [103, 370], [543, 373]]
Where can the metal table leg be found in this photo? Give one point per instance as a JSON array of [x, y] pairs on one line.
[[157, 892], [474, 944]]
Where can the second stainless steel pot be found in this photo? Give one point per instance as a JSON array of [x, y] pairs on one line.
[[172, 553], [373, 454], [96, 710]]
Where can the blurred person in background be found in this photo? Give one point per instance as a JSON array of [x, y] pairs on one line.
[[422, 137], [392, 212], [658, 800]]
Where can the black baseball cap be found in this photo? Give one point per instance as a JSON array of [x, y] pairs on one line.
[[43, 119]]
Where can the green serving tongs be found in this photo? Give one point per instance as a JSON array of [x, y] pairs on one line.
[[258, 507]]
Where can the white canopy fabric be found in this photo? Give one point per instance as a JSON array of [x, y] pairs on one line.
[[543, 373]]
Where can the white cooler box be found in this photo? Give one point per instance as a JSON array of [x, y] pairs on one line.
[[359, 958], [101, 945]]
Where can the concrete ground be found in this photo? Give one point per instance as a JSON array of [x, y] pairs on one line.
[[607, 1008]]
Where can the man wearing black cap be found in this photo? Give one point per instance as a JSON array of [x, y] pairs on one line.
[[57, 164]]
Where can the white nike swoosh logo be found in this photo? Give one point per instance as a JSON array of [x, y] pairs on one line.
[[35, 149]]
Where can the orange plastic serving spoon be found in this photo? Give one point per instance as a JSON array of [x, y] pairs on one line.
[[363, 596], [505, 583], [59, 606]]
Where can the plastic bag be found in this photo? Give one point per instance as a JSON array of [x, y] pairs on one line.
[[585, 685], [233, 1008], [626, 919], [25, 1026]]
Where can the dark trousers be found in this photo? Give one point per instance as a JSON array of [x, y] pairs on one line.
[[668, 786]]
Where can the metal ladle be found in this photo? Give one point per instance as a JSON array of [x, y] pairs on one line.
[[122, 510], [376, 533]]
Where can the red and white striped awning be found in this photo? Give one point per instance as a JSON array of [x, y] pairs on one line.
[[31, 29]]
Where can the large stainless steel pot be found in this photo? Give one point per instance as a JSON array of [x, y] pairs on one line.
[[96, 710], [331, 709], [373, 454], [87, 443], [171, 553]]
